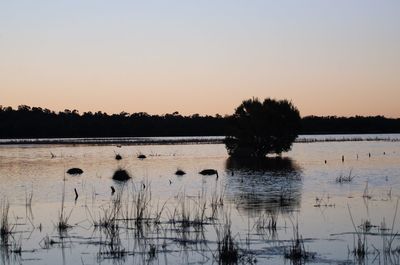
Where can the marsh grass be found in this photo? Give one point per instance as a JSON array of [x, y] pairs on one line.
[[366, 193], [63, 216], [46, 242], [158, 212], [389, 238], [345, 179], [366, 226], [108, 224], [217, 200], [28, 198], [199, 218], [285, 197], [112, 247], [140, 201], [5, 226], [16, 246], [359, 244], [267, 221], [227, 247], [190, 212], [297, 252]]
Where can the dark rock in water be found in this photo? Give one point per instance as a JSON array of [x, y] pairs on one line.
[[118, 157], [141, 156], [208, 172], [180, 172], [121, 175], [74, 171]]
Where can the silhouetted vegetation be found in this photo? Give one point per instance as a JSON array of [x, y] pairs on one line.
[[141, 156], [180, 172], [261, 128], [208, 172], [36, 122], [121, 175], [75, 171], [27, 122], [357, 124]]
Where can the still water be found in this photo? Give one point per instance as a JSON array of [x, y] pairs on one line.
[[301, 189]]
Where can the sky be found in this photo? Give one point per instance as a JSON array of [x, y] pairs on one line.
[[329, 57]]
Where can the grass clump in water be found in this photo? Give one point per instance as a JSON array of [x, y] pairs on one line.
[[345, 179], [297, 253], [63, 217], [121, 175], [141, 156], [5, 228], [228, 250], [75, 171], [180, 172]]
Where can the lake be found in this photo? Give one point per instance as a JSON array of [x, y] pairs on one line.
[[328, 191]]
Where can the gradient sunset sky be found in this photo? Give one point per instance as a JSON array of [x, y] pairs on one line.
[[331, 57]]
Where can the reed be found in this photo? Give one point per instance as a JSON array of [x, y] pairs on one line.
[[158, 212], [137, 206], [5, 227], [228, 249], [345, 179], [28, 199], [217, 200], [297, 252], [63, 216], [267, 222], [360, 246]]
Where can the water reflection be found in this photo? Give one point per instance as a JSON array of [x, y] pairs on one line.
[[258, 185]]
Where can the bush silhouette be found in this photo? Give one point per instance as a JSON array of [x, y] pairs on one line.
[[261, 128]]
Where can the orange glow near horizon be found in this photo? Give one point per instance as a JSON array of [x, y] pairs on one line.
[[331, 59]]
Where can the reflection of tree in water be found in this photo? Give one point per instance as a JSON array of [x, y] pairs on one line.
[[268, 184]]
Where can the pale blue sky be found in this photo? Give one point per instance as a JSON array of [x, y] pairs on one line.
[[328, 57]]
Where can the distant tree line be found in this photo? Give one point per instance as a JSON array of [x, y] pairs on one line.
[[36, 122], [343, 125]]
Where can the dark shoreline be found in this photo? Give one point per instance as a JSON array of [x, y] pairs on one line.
[[182, 140]]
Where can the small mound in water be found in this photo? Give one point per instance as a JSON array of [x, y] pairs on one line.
[[180, 172], [208, 172], [141, 156], [118, 157], [121, 175], [75, 171]]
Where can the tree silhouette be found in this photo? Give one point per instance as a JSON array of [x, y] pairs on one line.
[[261, 128]]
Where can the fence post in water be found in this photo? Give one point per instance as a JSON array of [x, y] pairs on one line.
[[76, 194]]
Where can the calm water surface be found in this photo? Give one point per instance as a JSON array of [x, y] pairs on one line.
[[297, 189]]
